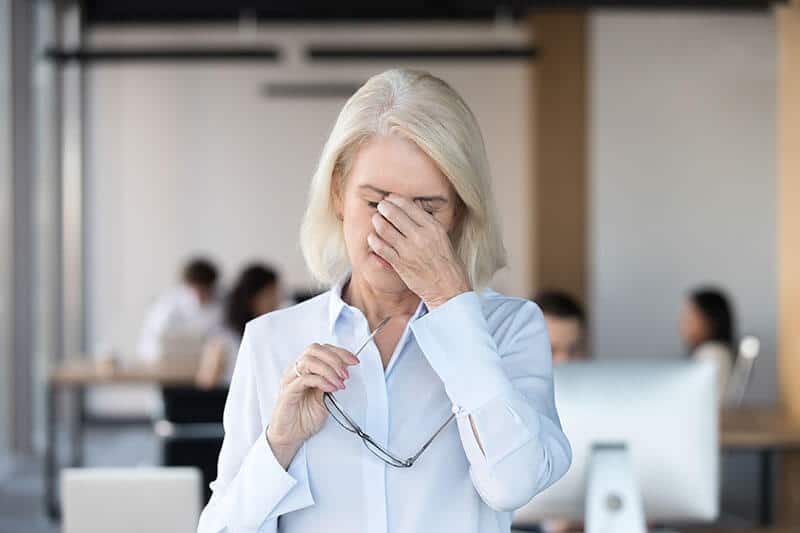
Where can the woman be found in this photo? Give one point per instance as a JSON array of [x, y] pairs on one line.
[[401, 223], [255, 293], [707, 330]]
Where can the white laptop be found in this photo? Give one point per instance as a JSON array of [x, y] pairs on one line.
[[122, 500]]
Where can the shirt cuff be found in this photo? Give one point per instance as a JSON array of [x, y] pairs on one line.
[[456, 341], [501, 428], [266, 490]]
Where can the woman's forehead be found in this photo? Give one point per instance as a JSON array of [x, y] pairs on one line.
[[392, 164]]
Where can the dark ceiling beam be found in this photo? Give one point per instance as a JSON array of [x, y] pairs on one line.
[[465, 52], [185, 11], [150, 54]]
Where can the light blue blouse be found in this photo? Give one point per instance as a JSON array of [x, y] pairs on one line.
[[480, 354]]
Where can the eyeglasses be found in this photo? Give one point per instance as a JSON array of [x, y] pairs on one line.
[[344, 420]]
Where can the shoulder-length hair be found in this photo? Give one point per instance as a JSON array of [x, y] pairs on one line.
[[427, 111]]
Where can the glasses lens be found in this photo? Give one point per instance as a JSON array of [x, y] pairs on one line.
[[337, 414], [384, 455]]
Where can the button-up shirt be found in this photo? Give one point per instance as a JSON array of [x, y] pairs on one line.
[[481, 355]]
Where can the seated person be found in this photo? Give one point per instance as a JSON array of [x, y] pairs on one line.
[[255, 293], [566, 325], [707, 330], [189, 311]]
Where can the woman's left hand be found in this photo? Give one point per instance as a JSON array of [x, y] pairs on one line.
[[419, 249]]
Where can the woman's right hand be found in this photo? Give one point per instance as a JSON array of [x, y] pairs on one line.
[[299, 412]]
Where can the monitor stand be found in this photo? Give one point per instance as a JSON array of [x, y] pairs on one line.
[[613, 500]]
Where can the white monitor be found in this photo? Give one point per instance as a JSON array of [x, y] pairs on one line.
[[664, 412], [131, 500]]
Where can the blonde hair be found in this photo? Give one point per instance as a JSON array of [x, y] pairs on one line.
[[428, 112]]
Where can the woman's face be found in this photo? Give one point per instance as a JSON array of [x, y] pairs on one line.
[[388, 164], [693, 326]]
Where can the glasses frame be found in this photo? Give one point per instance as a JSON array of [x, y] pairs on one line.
[[346, 421], [388, 457]]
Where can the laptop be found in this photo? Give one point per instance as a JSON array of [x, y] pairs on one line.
[[130, 500]]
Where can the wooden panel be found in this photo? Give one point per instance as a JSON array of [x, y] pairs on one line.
[[560, 137], [789, 200], [789, 243]]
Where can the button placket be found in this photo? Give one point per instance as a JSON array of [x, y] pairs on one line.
[[376, 424]]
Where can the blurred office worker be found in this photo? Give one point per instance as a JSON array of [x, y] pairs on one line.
[[446, 420], [255, 293], [566, 325], [184, 317], [707, 329], [566, 329]]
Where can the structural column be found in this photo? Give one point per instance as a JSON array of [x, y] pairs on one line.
[[560, 135], [788, 116]]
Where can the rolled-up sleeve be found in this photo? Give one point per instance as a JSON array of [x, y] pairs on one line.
[[502, 382], [252, 489]]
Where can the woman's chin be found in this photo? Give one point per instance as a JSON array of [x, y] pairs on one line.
[[380, 274]]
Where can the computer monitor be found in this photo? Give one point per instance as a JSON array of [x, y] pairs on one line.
[[664, 413]]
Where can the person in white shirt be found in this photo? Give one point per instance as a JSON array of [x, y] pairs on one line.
[[186, 315], [445, 421], [255, 293], [707, 330]]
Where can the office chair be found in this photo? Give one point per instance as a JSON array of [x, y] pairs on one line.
[[191, 429]]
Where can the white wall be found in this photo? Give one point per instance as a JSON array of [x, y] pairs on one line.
[[682, 177]]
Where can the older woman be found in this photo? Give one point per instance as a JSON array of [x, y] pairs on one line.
[[326, 422]]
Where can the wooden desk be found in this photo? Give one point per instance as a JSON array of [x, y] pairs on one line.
[[756, 428], [75, 376], [82, 372], [734, 530], [769, 432]]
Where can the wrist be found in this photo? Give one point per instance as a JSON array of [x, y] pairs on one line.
[[445, 296], [284, 451]]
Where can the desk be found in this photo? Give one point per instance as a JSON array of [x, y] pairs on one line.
[[768, 432], [735, 530], [78, 374]]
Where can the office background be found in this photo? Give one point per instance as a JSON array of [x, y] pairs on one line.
[[671, 148]]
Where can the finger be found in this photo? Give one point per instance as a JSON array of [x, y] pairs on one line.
[[346, 355], [399, 218], [288, 376], [387, 231], [311, 365], [309, 381], [338, 357], [411, 209], [382, 248]]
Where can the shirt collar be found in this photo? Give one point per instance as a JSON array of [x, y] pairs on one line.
[[336, 305]]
